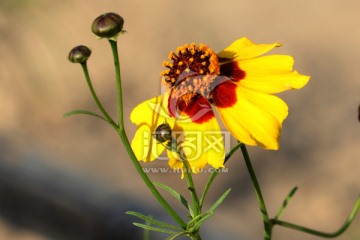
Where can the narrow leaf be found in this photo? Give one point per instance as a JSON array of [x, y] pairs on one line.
[[214, 174], [340, 231], [198, 224], [177, 195], [172, 237], [194, 222], [285, 203], [86, 112], [195, 219], [153, 221], [219, 201], [155, 229]]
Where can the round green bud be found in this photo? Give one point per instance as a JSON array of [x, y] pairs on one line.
[[162, 133], [107, 25], [79, 54]]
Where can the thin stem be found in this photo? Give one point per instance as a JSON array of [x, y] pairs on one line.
[[147, 231], [118, 83], [261, 202], [195, 237], [342, 229], [127, 145], [191, 186], [96, 99], [214, 174]]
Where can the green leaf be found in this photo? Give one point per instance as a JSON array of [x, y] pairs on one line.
[[214, 174], [155, 229], [198, 223], [198, 219], [172, 237], [340, 231], [177, 195], [80, 111], [219, 201], [286, 201], [153, 221], [195, 219]]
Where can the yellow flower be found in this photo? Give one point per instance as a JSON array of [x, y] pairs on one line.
[[238, 82]]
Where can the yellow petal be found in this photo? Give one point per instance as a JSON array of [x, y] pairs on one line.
[[271, 74], [148, 116], [201, 143], [151, 111], [270, 63], [175, 163], [255, 118], [174, 160], [144, 145], [243, 48]]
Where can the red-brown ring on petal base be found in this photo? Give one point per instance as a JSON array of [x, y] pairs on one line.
[[233, 71], [199, 110], [224, 95]]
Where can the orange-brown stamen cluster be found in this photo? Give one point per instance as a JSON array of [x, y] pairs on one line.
[[189, 60], [192, 71]]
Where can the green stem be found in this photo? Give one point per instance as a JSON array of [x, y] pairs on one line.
[[195, 237], [191, 186], [127, 145], [93, 93], [118, 83], [261, 202], [342, 229], [214, 174], [147, 231]]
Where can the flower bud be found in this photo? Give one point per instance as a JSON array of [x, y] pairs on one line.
[[79, 54], [107, 25], [162, 133]]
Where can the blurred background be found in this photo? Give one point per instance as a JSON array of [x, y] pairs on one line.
[[70, 178]]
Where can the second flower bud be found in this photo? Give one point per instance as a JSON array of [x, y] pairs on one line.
[[107, 25]]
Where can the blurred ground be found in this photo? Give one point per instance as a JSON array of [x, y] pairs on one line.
[[320, 143]]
